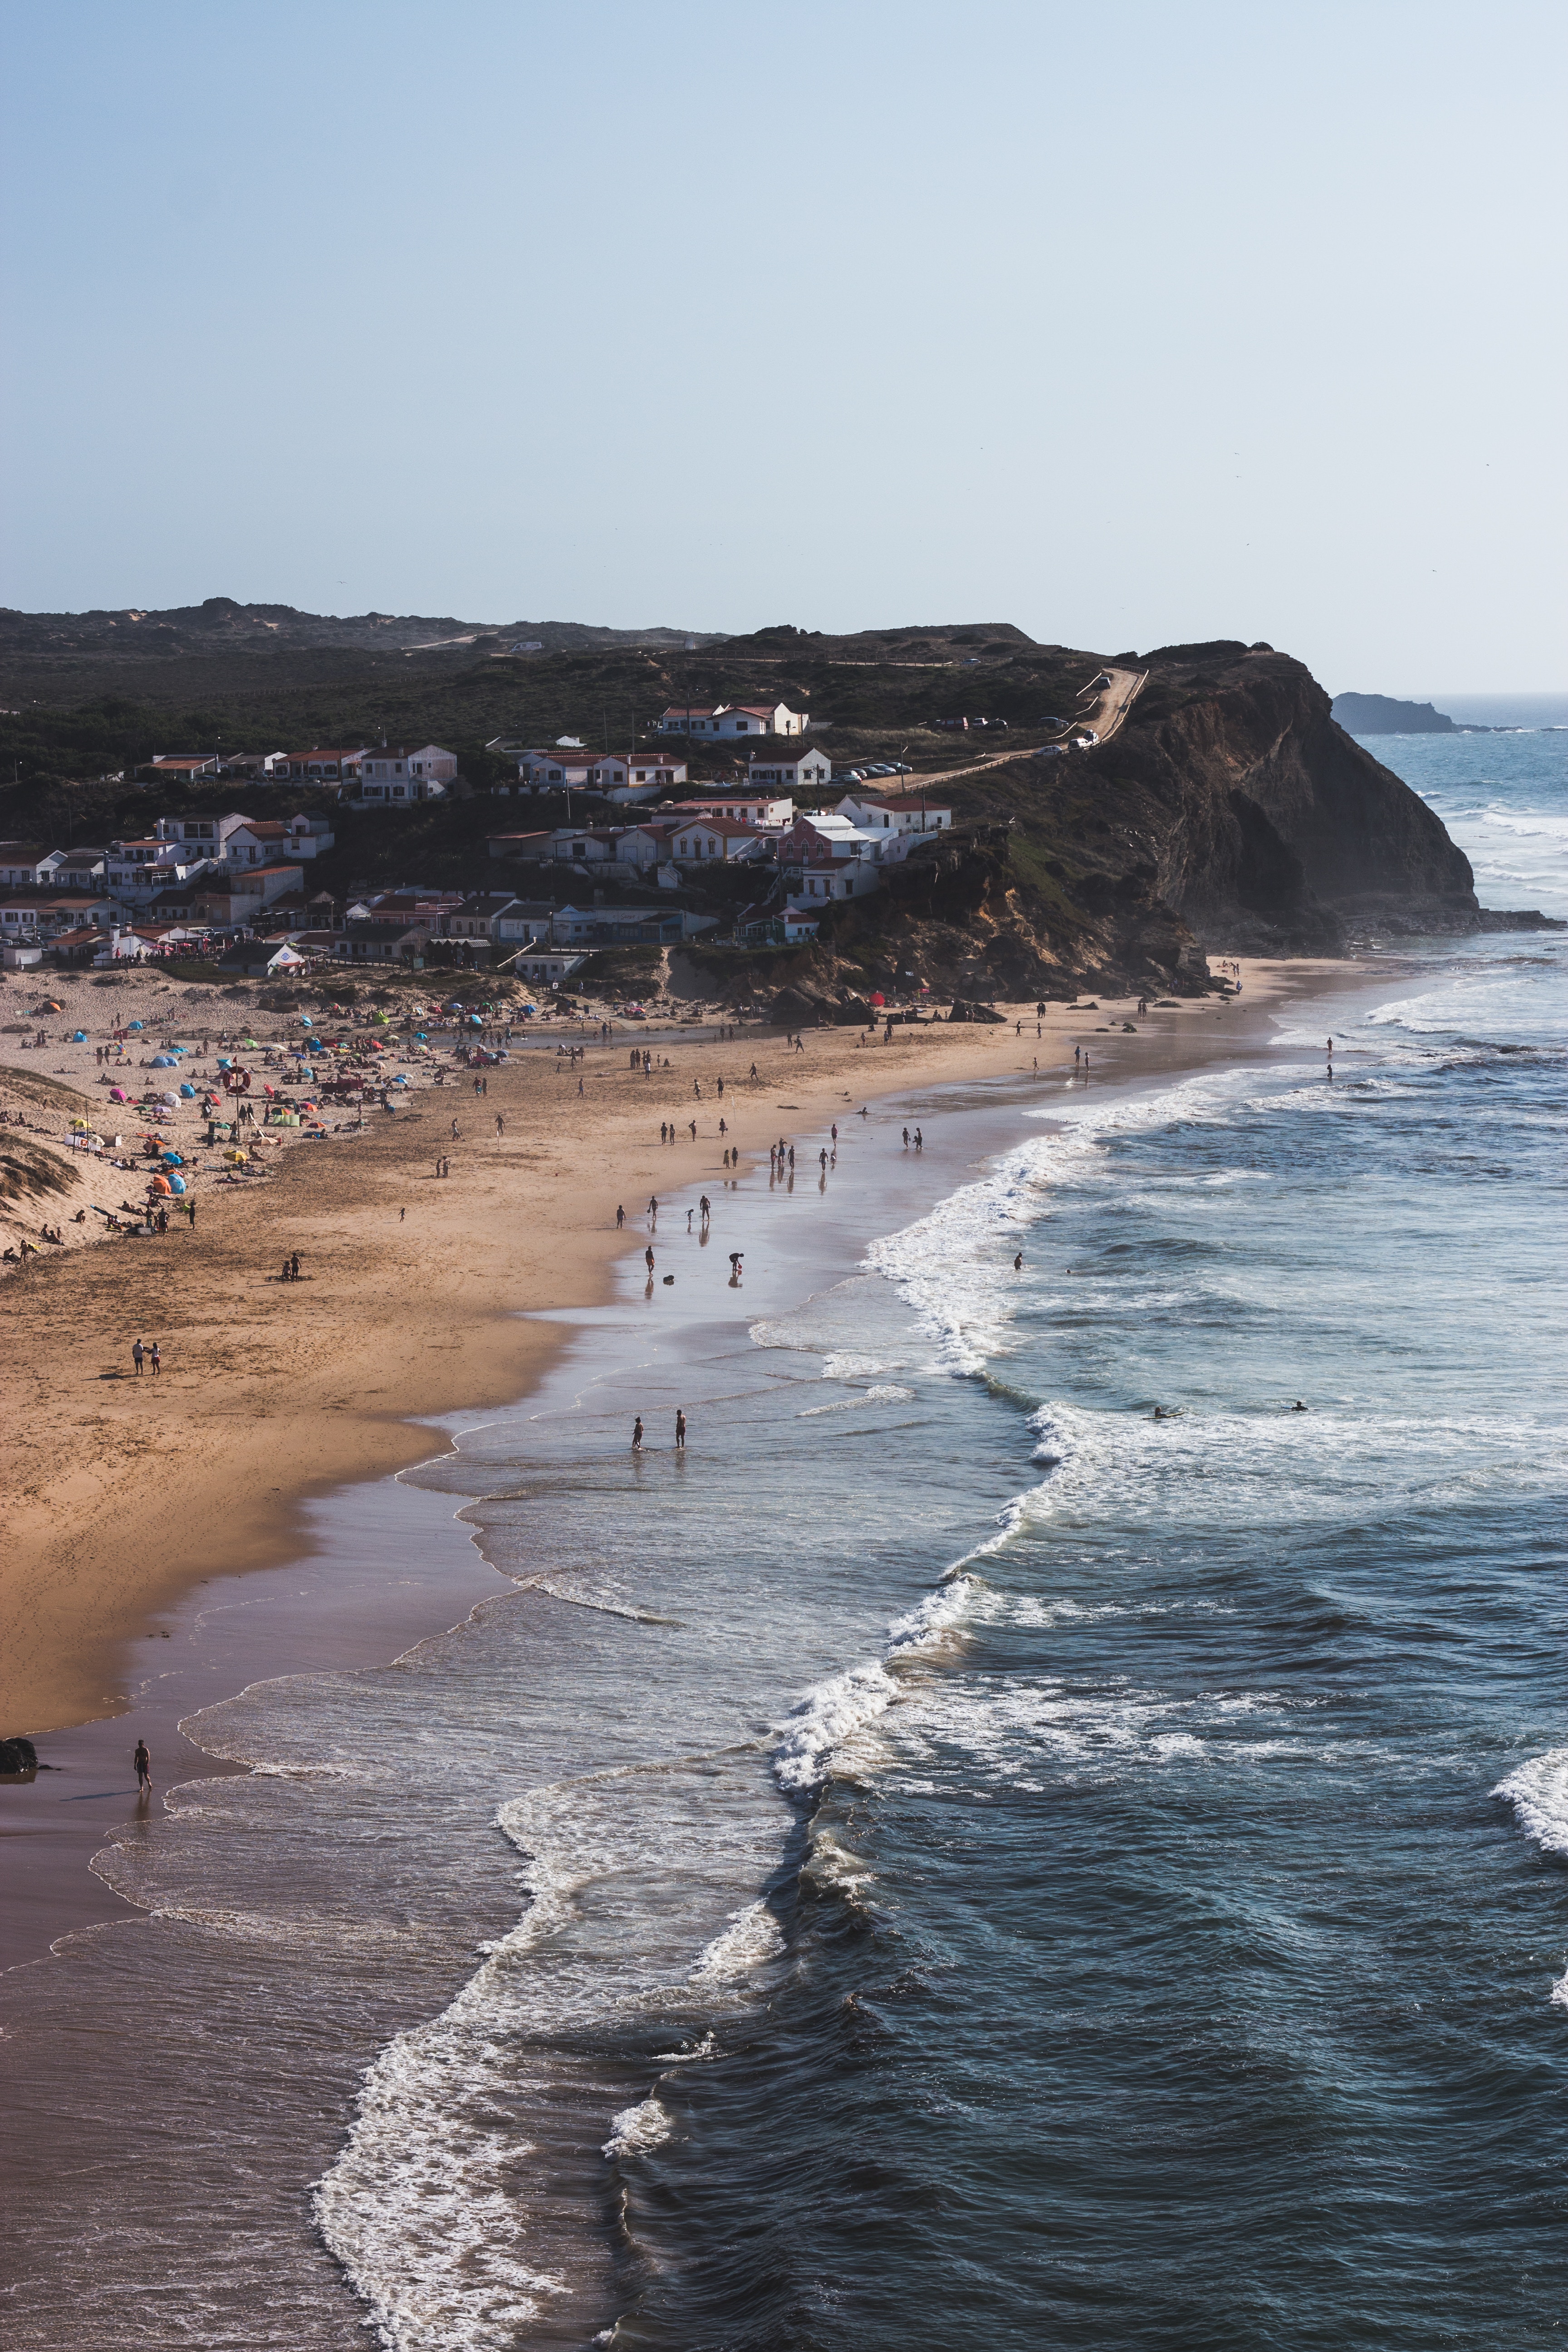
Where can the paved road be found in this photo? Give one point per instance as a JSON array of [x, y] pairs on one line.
[[1104, 714]]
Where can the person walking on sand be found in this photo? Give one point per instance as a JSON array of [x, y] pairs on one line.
[[143, 1763], [501, 1124], [637, 1434], [620, 1219], [653, 1207], [156, 1360], [137, 1353], [679, 1430]]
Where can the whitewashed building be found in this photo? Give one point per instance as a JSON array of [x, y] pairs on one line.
[[727, 720], [800, 769]]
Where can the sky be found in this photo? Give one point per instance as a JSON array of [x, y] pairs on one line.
[[1130, 326]]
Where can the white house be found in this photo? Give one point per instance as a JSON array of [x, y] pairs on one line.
[[732, 719], [555, 770], [626, 775], [73, 869], [394, 775], [827, 839], [727, 837], [841, 881], [476, 918], [307, 837], [19, 862], [647, 846], [137, 870], [583, 844], [895, 812], [199, 836], [752, 808], [324, 765], [251, 840], [255, 841], [798, 771], [834, 858], [525, 922]]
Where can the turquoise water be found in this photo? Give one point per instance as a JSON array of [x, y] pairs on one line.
[[953, 1859]]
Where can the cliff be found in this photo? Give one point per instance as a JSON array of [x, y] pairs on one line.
[[1229, 814]]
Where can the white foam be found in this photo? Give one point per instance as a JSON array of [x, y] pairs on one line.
[[636, 2129], [824, 1720], [752, 1937], [1538, 1795]]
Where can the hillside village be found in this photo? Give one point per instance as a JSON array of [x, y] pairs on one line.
[[813, 822], [634, 865]]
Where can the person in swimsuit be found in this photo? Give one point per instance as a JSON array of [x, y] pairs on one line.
[[143, 1763], [637, 1434]]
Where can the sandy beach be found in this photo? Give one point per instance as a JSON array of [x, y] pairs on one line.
[[122, 1492]]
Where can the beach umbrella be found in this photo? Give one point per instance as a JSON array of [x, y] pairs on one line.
[[161, 1185], [135, 1024], [306, 1022], [224, 1062], [79, 1038], [79, 1123], [187, 1090], [170, 1099], [235, 1157], [48, 1005], [118, 1094], [173, 1159], [176, 1183], [250, 1042]]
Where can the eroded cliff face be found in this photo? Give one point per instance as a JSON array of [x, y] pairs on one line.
[[1281, 829]]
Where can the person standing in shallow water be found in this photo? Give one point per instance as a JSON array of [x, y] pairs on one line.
[[679, 1430], [143, 1763], [637, 1434]]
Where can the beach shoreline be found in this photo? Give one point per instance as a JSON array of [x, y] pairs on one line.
[[300, 1583], [123, 1496]]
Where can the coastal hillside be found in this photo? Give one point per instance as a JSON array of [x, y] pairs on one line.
[[1116, 818], [1228, 814], [73, 653]]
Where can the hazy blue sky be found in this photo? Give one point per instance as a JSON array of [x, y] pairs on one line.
[[1127, 325]]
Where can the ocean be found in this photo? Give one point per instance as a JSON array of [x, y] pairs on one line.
[[1019, 1836]]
